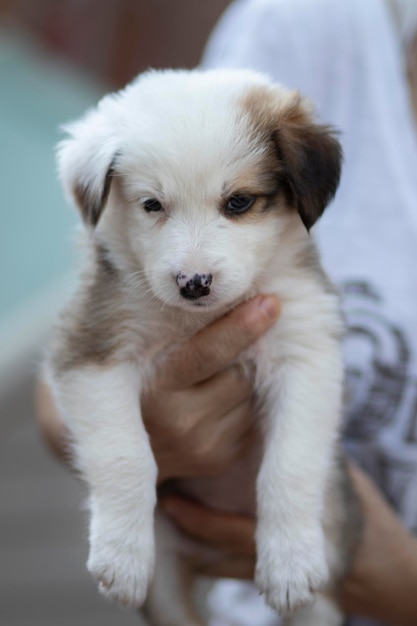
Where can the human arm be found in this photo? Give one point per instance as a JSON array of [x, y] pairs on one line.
[[381, 584]]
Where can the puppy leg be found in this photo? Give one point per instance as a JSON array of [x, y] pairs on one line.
[[170, 599], [111, 448], [324, 612], [304, 402]]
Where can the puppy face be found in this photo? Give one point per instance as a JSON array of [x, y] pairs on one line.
[[191, 180]]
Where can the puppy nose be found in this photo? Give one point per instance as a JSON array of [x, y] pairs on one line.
[[194, 287]]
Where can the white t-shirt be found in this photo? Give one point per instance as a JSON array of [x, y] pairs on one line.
[[346, 57]]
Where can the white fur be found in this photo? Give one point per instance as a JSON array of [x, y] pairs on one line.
[[179, 139], [116, 460]]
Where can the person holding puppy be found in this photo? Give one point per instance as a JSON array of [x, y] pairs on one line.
[[346, 58], [383, 578]]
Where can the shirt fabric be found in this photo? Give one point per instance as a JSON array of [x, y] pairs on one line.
[[346, 58]]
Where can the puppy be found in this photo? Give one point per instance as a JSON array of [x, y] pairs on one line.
[[198, 191]]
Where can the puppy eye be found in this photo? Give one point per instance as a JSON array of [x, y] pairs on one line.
[[152, 205], [239, 204]]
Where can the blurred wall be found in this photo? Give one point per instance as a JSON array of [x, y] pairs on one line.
[[116, 39]]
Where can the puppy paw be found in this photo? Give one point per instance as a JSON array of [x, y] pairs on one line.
[[123, 568], [291, 567]]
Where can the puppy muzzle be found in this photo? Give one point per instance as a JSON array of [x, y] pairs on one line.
[[194, 287]]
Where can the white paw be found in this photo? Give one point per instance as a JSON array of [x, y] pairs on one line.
[[291, 567], [123, 566]]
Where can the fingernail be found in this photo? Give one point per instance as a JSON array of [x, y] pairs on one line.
[[270, 306]]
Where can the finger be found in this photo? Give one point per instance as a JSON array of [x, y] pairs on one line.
[[200, 406], [229, 532], [241, 568], [215, 447], [214, 562], [224, 391], [234, 429], [216, 346]]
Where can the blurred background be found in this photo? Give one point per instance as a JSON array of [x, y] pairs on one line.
[[57, 57]]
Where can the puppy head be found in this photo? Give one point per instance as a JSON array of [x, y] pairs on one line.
[[193, 179]]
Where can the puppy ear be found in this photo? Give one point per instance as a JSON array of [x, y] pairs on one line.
[[310, 157], [86, 164]]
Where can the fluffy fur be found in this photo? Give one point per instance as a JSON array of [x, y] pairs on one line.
[[157, 171]]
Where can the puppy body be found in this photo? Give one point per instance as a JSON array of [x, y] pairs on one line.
[[210, 182]]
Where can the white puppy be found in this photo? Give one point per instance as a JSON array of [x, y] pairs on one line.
[[198, 190]]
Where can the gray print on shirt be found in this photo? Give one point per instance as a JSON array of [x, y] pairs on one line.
[[381, 416]]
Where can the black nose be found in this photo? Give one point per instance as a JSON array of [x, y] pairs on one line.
[[194, 287]]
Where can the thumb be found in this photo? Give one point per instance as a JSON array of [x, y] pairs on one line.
[[213, 348]]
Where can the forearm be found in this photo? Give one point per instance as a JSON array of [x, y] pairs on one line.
[[385, 587], [382, 582]]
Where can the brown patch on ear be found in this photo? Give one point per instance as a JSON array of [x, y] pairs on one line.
[[308, 155], [91, 204], [312, 158]]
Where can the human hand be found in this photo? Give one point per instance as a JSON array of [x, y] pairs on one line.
[[199, 417], [382, 581]]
